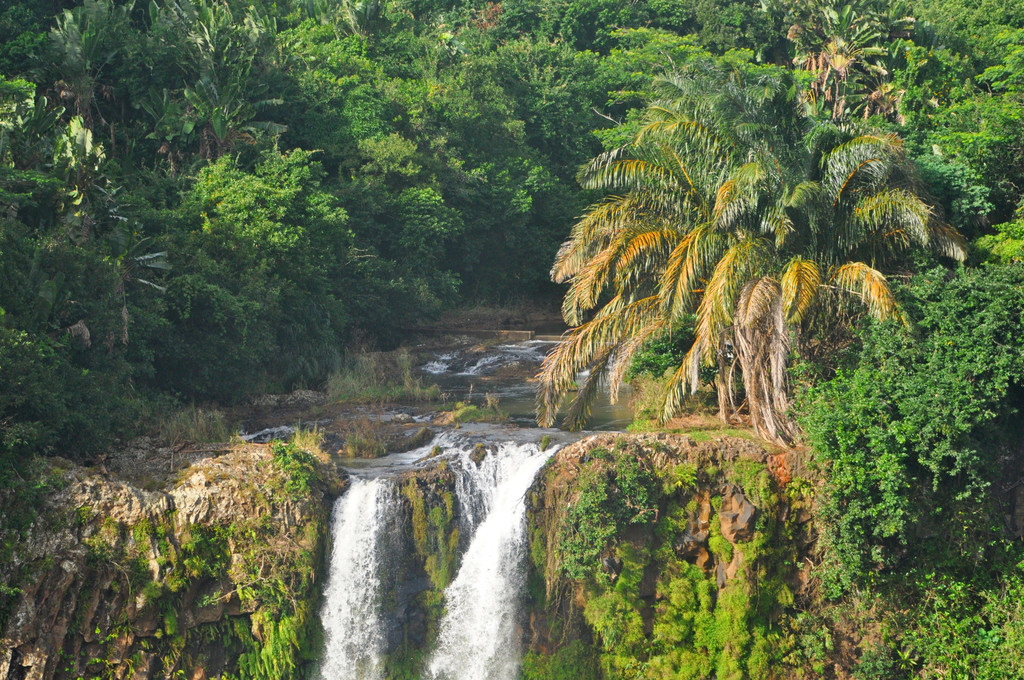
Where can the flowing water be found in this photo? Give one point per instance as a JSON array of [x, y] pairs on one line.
[[363, 520], [503, 371], [478, 631], [370, 588]]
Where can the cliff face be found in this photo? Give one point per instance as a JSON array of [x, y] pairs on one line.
[[658, 556], [650, 556], [214, 574]]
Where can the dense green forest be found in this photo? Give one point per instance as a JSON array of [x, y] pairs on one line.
[[201, 200], [207, 199]]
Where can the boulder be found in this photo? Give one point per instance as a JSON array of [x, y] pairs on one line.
[[738, 516]]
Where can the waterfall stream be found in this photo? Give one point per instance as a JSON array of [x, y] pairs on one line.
[[364, 520], [478, 633], [371, 608], [478, 637]]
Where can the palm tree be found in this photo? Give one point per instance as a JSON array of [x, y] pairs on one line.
[[733, 203], [848, 45], [84, 42]]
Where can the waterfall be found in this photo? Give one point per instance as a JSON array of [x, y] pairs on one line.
[[363, 522], [479, 634], [478, 637]]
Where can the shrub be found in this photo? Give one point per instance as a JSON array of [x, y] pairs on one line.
[[915, 431], [297, 465]]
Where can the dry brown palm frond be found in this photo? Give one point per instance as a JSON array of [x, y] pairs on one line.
[[756, 300], [948, 241]]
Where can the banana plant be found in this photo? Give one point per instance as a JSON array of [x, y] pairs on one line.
[[218, 102], [27, 126], [224, 114], [132, 257], [349, 17], [78, 161]]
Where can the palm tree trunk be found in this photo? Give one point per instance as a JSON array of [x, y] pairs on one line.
[[724, 379], [762, 347]]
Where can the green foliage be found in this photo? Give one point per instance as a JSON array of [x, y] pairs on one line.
[[662, 353], [489, 412], [435, 534], [652, 612], [298, 466], [914, 432], [202, 200], [378, 377], [1006, 245], [613, 493], [575, 661]]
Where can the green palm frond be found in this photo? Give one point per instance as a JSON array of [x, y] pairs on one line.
[[626, 350], [800, 281], [690, 261], [583, 345], [742, 262], [579, 409], [870, 285]]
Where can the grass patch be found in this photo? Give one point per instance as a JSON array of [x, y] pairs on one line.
[[649, 395], [359, 446], [489, 412], [309, 440], [699, 431], [379, 378], [193, 424], [366, 439]]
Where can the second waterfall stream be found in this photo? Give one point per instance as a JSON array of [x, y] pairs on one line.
[[479, 633]]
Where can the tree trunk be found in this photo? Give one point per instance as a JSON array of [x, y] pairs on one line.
[[762, 348], [724, 380]]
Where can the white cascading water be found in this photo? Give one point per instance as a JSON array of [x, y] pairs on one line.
[[363, 520], [478, 637]]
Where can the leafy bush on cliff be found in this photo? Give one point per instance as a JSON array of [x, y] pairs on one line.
[[615, 492], [918, 431], [664, 593]]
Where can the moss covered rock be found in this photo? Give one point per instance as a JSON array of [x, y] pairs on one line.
[[658, 556], [211, 577]]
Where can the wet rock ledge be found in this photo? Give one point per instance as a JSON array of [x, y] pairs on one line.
[[205, 572]]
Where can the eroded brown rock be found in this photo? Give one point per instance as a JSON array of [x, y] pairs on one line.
[[738, 516]]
